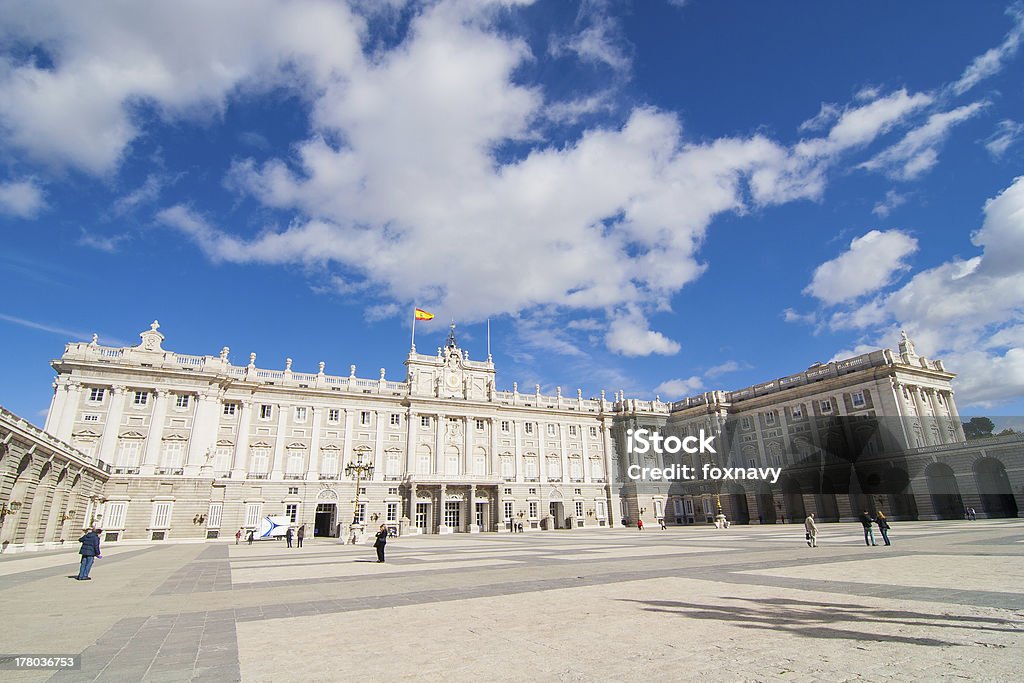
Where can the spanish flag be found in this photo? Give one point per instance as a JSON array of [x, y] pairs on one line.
[[423, 315]]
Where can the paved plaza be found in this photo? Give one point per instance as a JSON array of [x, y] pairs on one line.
[[745, 603]]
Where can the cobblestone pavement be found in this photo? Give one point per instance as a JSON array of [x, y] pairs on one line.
[[745, 603]]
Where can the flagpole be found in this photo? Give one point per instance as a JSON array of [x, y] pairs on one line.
[[413, 349], [488, 340]]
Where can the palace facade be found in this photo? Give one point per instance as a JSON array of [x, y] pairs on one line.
[[157, 445]]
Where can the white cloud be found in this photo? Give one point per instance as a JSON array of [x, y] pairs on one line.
[[630, 335], [675, 389], [146, 193], [111, 60], [107, 243], [21, 198], [918, 152], [969, 312], [893, 200], [599, 42], [58, 330], [792, 316], [724, 368], [828, 113], [1007, 133], [994, 59], [869, 265]]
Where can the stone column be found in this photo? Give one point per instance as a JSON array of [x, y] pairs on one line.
[[439, 464], [494, 468], [313, 470], [241, 460], [378, 446], [112, 427], [156, 433], [72, 403], [410, 442], [412, 508], [56, 408], [443, 528], [346, 453], [518, 450], [564, 455], [204, 433], [468, 455], [277, 461], [614, 513], [474, 528], [584, 454]]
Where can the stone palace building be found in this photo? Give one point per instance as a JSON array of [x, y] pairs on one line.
[[157, 445]]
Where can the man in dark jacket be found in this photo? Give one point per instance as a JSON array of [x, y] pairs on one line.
[[90, 551], [380, 542], [869, 535]]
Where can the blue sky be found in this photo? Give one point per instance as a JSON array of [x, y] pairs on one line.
[[655, 197]]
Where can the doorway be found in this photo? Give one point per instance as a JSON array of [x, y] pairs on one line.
[[422, 515], [453, 514], [324, 523], [557, 511], [481, 516]]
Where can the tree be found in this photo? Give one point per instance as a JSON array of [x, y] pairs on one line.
[[978, 428], [1008, 432]]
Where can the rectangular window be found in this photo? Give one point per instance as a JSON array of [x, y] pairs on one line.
[[533, 492], [393, 491], [252, 514], [96, 395], [229, 409], [425, 421], [769, 417], [328, 462], [601, 510], [479, 425], [293, 490], [213, 515], [90, 417], [504, 426], [181, 401], [659, 508], [172, 454], [396, 419], [260, 460], [508, 492], [509, 509], [826, 406], [295, 462], [291, 511], [334, 415], [128, 453], [266, 411], [858, 399], [551, 430], [579, 508], [115, 514], [572, 430], [364, 418], [529, 428], [392, 513], [222, 459], [161, 516], [300, 413], [798, 411], [361, 514], [141, 398], [533, 506], [745, 423], [593, 431]]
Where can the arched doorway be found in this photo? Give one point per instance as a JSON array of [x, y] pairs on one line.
[[828, 506], [766, 506], [793, 500], [737, 502], [994, 486], [944, 491], [325, 521], [556, 509]]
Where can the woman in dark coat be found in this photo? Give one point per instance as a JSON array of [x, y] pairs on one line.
[[382, 540], [883, 526]]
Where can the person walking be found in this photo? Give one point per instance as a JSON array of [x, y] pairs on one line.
[[300, 534], [89, 551], [883, 526], [971, 514], [238, 535], [869, 535], [288, 537], [380, 542], [811, 531], [640, 524], [252, 532]]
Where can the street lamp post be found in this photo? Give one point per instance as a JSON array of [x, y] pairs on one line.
[[359, 470]]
